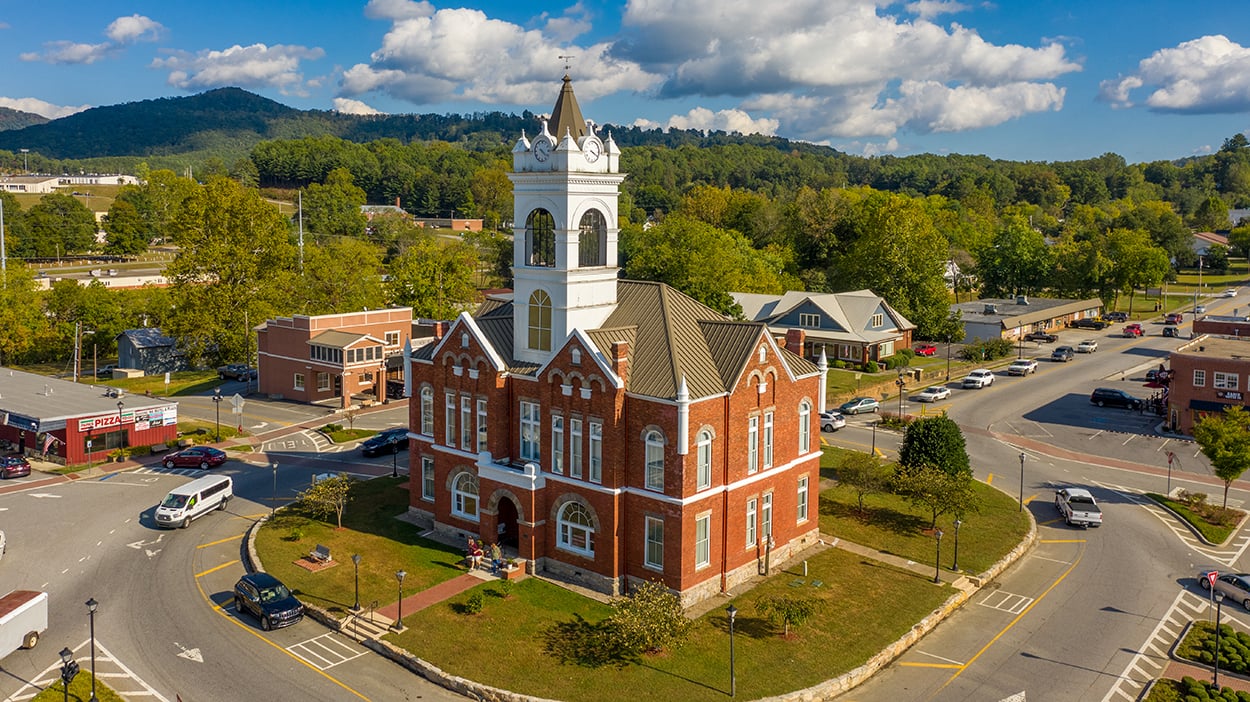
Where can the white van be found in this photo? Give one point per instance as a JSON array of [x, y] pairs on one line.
[[193, 500]]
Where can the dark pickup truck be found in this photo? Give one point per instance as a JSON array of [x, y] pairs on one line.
[[1090, 323], [1041, 337]]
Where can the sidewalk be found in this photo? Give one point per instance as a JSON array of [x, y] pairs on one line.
[[1178, 669]]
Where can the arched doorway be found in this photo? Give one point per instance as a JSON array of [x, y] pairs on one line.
[[508, 531]]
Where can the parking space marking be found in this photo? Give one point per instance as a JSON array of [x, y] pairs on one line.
[[326, 651], [1006, 602], [121, 678], [1225, 556], [1152, 658]]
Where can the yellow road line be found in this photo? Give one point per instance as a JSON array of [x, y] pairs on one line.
[[989, 479], [1013, 622], [214, 570], [221, 541], [1052, 521], [1029, 499], [930, 665], [233, 620]]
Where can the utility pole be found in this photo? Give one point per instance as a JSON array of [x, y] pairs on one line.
[[300, 217]]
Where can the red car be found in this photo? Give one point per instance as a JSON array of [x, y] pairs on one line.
[[1133, 330], [926, 350], [14, 467], [202, 457], [1174, 318]]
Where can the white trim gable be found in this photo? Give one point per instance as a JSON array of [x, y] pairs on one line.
[[495, 359], [593, 351]]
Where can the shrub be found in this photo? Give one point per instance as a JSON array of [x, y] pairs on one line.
[[649, 620], [872, 367], [473, 605], [504, 589], [331, 428]]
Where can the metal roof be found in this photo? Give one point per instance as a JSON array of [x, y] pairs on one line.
[[51, 401]]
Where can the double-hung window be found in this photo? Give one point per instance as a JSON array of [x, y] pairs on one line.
[[557, 444], [802, 508], [703, 541], [575, 447], [481, 424], [805, 427], [752, 522], [703, 453], [449, 419], [655, 460], [768, 439], [427, 411], [654, 553], [427, 478], [530, 425], [753, 444], [466, 422], [596, 451]]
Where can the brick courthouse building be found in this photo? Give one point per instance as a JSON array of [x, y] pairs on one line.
[[611, 430]]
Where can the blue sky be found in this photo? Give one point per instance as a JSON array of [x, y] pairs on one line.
[[1039, 80]]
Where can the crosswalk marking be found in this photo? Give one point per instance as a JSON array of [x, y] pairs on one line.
[[107, 667], [1006, 602], [326, 651]]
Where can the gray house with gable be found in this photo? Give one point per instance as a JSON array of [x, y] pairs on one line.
[[855, 327], [149, 350]]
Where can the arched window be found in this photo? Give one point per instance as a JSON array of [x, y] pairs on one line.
[[704, 453], [592, 240], [427, 411], [805, 427], [464, 496], [540, 239], [540, 321], [655, 460], [576, 530]]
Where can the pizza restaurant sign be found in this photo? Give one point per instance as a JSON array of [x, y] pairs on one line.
[[143, 419]]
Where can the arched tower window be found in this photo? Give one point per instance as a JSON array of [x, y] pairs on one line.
[[540, 239], [540, 321], [592, 241]]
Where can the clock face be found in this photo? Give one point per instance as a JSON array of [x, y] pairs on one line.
[[592, 149], [542, 149]]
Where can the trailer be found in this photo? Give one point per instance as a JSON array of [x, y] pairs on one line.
[[23, 618]]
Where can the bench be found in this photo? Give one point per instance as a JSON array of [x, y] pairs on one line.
[[159, 448], [321, 554]]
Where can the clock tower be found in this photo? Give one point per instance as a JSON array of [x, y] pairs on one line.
[[565, 185]]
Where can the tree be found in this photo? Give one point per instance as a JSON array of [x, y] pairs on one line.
[[649, 620], [23, 326], [1225, 441], [328, 497], [1136, 261], [58, 224], [864, 473], [1017, 262], [434, 279], [787, 610], [937, 491], [937, 442], [333, 209], [1211, 215], [127, 231], [1216, 258], [341, 275]]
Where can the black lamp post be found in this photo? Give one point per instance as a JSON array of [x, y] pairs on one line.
[[732, 611], [874, 438], [1219, 599], [900, 382], [120, 425], [273, 505], [1021, 509], [91, 607], [394, 458], [399, 619], [356, 568], [217, 404], [948, 358], [955, 562], [69, 669], [937, 563]]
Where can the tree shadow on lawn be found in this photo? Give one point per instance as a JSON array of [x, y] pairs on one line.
[[881, 517]]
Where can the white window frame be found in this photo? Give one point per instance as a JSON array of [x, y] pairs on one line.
[[427, 411], [465, 501], [449, 419], [809, 320], [531, 427], [595, 460], [805, 427], [878, 320], [802, 505], [466, 422], [392, 338], [482, 424], [570, 532], [575, 447], [753, 444], [703, 457], [766, 517], [1200, 378], [655, 461], [753, 537], [768, 439], [557, 444], [1225, 381], [299, 381], [427, 478], [885, 349], [653, 550], [702, 541], [323, 382]]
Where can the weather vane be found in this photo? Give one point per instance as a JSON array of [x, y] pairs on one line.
[[567, 59]]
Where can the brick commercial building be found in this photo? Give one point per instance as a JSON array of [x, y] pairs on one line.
[[342, 358], [1207, 375], [76, 422], [611, 431]]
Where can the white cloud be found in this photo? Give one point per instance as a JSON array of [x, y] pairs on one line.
[[1210, 74], [463, 55], [255, 66], [929, 9], [572, 24], [705, 120], [398, 9], [40, 107], [870, 148], [127, 30], [68, 52], [354, 107]]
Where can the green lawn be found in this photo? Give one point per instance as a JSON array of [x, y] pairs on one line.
[[79, 690]]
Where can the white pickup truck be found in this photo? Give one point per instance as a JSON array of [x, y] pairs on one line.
[[1078, 507], [23, 618]]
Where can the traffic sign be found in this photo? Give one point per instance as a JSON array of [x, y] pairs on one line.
[[1212, 576]]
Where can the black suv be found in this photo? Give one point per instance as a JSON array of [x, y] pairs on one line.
[[388, 441], [236, 371], [1041, 336], [1090, 323], [1063, 354], [1116, 316], [1110, 397], [266, 598]]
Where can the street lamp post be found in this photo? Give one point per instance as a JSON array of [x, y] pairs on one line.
[[273, 505], [69, 669], [217, 404], [399, 619], [1019, 342], [120, 424], [1219, 599], [937, 562], [948, 358], [1021, 509], [356, 568], [394, 458], [900, 382], [874, 438], [732, 611], [955, 562], [25, 159], [91, 607]]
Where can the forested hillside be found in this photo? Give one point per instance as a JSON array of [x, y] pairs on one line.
[[16, 119]]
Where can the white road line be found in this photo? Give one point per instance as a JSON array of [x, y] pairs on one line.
[[932, 655], [1125, 678]]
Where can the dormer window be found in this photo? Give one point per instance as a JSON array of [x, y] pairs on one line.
[[575, 357], [809, 321], [763, 353], [878, 320], [464, 341]]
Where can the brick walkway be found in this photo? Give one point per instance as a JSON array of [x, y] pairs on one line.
[[1177, 670], [424, 598]]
